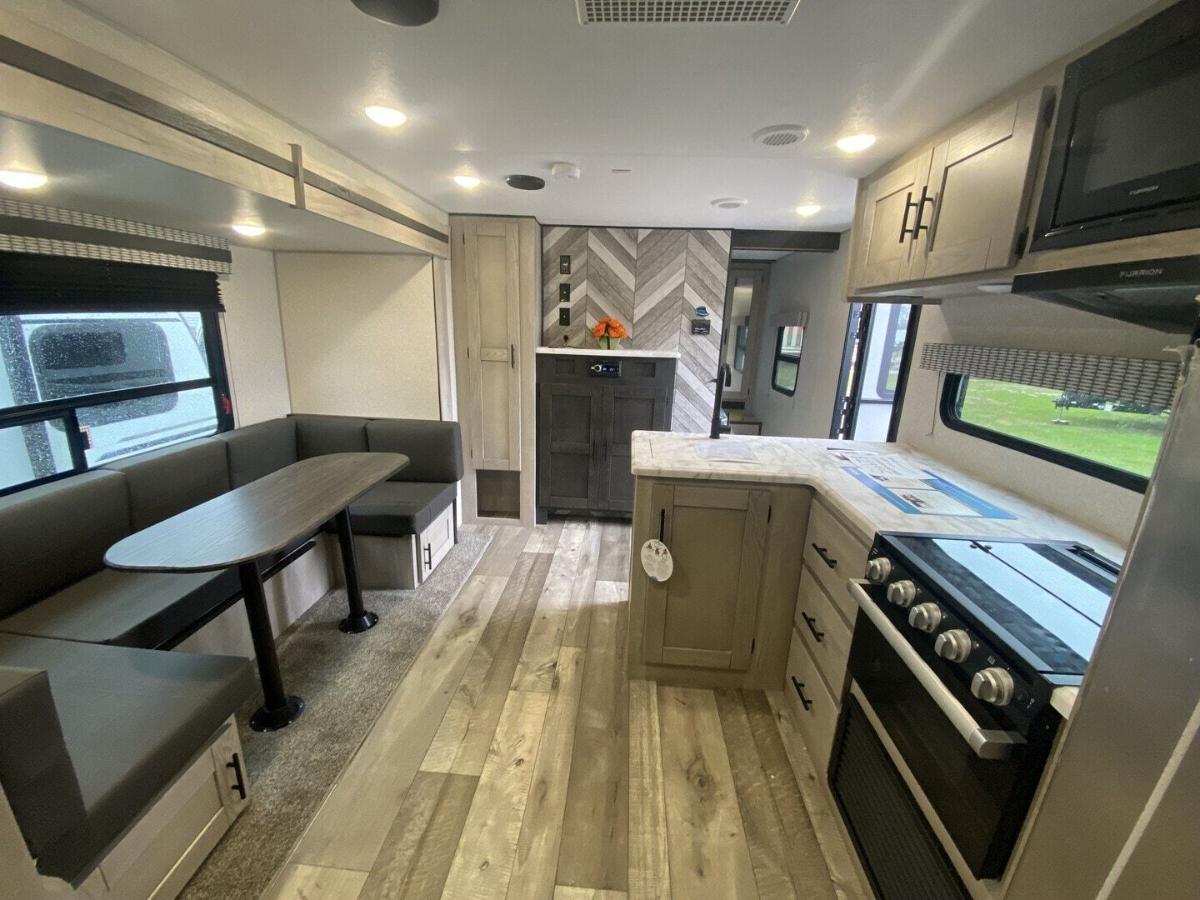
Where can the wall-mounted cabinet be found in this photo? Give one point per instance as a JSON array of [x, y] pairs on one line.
[[956, 207]]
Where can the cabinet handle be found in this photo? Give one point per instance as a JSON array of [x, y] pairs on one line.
[[240, 784], [662, 525], [512, 355], [812, 626], [909, 206], [926, 197], [823, 552], [429, 556], [799, 686]]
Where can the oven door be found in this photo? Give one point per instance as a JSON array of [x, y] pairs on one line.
[[974, 773]]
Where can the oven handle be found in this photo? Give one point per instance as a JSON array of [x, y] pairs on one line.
[[986, 742]]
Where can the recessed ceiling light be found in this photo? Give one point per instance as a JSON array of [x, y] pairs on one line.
[[22, 180], [855, 143], [466, 181], [386, 116], [249, 229], [729, 202], [808, 209]]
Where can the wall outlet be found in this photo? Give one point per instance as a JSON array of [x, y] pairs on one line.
[[564, 315], [564, 293]]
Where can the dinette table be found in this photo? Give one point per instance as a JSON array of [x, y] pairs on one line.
[[249, 525]]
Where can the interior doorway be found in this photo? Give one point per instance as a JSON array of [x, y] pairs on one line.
[[879, 345], [745, 303]]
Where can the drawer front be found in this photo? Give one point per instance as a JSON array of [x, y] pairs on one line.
[[825, 635], [436, 540], [834, 554], [816, 712]]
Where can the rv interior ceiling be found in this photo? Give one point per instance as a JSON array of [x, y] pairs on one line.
[[599, 448]]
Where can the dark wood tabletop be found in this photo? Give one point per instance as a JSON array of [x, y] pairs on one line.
[[257, 519]]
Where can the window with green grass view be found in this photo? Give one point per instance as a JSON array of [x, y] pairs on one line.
[[1072, 426]]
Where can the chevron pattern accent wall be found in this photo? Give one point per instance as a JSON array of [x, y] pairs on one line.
[[653, 280]]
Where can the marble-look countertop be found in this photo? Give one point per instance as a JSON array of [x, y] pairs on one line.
[[586, 351], [807, 461]]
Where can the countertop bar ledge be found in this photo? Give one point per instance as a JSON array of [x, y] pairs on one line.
[[584, 351]]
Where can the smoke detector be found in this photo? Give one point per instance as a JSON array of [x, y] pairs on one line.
[[681, 12], [566, 170], [780, 135], [729, 202]]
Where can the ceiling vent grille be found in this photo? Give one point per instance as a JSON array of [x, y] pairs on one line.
[[681, 12]]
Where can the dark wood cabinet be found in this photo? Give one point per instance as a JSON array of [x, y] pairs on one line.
[[585, 423]]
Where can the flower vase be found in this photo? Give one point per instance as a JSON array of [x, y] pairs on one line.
[[610, 343]]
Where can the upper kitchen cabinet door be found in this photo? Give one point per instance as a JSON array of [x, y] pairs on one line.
[[979, 184], [889, 216], [627, 408], [705, 614], [493, 339]]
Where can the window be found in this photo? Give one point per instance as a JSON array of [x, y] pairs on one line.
[[892, 352], [785, 374], [1115, 441], [79, 389]]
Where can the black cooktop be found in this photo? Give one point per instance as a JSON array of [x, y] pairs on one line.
[[1046, 600]]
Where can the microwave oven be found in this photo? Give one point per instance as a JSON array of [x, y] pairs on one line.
[[1125, 159]]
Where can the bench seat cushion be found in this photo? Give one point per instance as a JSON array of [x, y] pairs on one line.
[[132, 720], [130, 609], [399, 508]]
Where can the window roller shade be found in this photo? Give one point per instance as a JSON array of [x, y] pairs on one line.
[[1115, 378]]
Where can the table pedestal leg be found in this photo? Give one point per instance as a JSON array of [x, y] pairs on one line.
[[278, 709], [359, 619]]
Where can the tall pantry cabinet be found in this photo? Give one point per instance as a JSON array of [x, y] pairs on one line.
[[494, 277]]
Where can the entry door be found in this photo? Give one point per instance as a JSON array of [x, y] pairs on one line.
[[494, 342], [626, 409], [704, 614], [879, 344]]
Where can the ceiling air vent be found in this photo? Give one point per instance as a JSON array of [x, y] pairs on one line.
[[681, 12], [780, 135]]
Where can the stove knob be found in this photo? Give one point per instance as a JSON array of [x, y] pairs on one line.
[[902, 593], [993, 685], [925, 617], [879, 569], [954, 645]]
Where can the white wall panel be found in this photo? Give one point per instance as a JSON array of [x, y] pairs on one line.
[[254, 338]]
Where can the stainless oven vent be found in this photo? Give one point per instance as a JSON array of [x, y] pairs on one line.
[[685, 12]]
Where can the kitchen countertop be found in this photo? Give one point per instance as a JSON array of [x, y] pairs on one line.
[[807, 461], [585, 351]]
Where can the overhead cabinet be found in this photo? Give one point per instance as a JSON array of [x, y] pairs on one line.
[[957, 207], [585, 423]]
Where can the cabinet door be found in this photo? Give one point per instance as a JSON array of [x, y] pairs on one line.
[[493, 342], [980, 184], [889, 215], [626, 409], [569, 434], [704, 614]]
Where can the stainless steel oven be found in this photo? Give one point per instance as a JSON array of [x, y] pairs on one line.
[[1125, 159], [959, 645]]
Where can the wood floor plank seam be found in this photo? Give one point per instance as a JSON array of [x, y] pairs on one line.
[[535, 671]]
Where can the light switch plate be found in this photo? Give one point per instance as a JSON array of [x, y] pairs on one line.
[[564, 315]]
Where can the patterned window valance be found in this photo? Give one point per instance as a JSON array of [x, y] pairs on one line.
[[1133, 380], [48, 230]]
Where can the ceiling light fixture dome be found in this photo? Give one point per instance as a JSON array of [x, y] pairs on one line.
[[808, 209], [249, 228], [386, 116], [22, 179], [855, 143], [469, 182]]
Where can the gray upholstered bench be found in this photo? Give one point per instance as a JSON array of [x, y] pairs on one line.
[[93, 735]]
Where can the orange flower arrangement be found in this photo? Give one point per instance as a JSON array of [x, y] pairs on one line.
[[609, 331]]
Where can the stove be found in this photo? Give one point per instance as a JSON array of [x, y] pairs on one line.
[[958, 647]]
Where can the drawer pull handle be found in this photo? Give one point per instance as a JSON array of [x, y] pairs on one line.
[[823, 552], [429, 556], [240, 784], [799, 686], [811, 622]]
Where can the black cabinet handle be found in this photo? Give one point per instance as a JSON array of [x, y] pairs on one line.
[[240, 784], [909, 206], [429, 556], [799, 686], [823, 552], [812, 626], [512, 355], [926, 197], [662, 525]]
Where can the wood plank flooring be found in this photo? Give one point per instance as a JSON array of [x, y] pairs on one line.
[[517, 760]]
